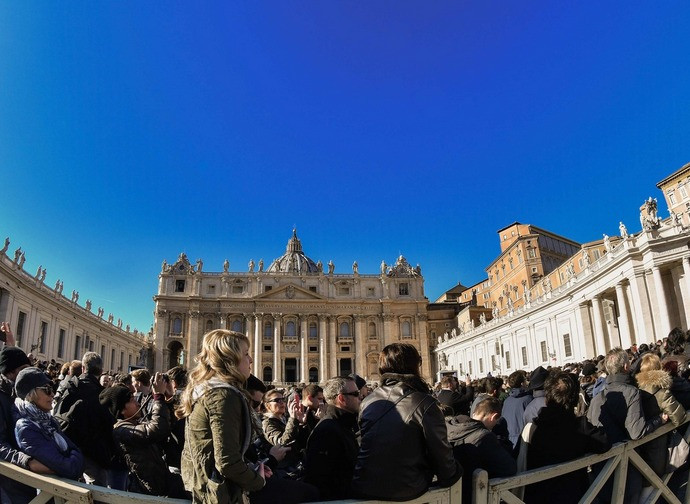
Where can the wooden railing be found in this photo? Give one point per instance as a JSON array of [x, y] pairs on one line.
[[495, 490], [68, 491]]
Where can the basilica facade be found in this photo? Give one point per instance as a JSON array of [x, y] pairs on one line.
[[305, 322]]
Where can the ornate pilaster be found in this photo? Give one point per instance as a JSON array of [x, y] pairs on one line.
[[277, 352], [624, 325], [360, 366], [333, 346], [323, 373], [303, 354], [258, 347]]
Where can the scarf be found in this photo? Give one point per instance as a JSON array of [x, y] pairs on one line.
[[43, 420]]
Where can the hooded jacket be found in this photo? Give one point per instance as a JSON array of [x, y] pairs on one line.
[[404, 442], [656, 397], [476, 447], [217, 436], [513, 411]]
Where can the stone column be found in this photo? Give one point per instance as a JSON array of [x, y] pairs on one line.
[[323, 364], [277, 354], [686, 284], [303, 355], [600, 347], [623, 324], [642, 319], [427, 366], [387, 328], [333, 346], [678, 295], [585, 339], [360, 345], [258, 346], [664, 325]]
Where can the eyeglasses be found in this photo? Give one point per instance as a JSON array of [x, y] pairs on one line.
[[353, 394], [278, 400], [47, 389]]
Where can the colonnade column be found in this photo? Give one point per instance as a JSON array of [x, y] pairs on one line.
[[360, 346], [639, 321], [623, 326], [303, 355], [686, 278], [277, 357], [323, 373], [420, 320], [598, 326], [387, 329], [258, 347], [333, 347], [664, 325]]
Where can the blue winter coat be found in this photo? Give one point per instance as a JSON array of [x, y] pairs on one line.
[[38, 444]]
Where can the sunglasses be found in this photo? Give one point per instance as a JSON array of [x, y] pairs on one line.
[[353, 394], [278, 400], [47, 389]]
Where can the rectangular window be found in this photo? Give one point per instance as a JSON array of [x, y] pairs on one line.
[[524, 355], [508, 360], [371, 292], [404, 289], [672, 197], [566, 345], [237, 289], [112, 359], [531, 253], [313, 349], [312, 288], [497, 348], [481, 365], [61, 344], [597, 254], [544, 353], [122, 359], [268, 288], [91, 343], [77, 347], [344, 348], [343, 291], [267, 348], [683, 191], [469, 366], [211, 289], [179, 285], [493, 362], [20, 328], [42, 337]]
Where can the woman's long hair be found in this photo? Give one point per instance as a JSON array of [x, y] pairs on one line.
[[219, 357]]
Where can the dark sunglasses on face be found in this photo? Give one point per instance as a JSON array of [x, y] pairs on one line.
[[277, 400], [47, 389], [353, 394]]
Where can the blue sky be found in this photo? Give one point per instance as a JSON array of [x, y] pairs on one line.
[[132, 131]]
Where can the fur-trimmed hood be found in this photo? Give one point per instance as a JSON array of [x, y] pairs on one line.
[[654, 379]]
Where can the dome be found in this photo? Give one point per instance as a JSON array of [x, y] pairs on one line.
[[294, 260]]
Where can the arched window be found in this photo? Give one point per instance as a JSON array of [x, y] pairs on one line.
[[177, 325], [406, 329], [313, 375], [268, 330], [344, 330], [372, 330], [237, 325], [209, 325], [290, 329], [268, 374], [312, 330]]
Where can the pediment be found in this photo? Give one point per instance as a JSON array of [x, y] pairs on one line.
[[290, 292]]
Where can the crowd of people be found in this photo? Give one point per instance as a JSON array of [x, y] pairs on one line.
[[218, 434]]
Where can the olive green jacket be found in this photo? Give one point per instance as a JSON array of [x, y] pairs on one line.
[[217, 435]]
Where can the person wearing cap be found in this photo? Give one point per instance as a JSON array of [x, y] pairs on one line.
[[536, 386], [140, 441], [38, 434], [12, 361]]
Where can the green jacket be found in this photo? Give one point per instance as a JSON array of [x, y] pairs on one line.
[[217, 435]]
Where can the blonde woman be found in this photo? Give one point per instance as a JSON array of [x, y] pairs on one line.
[[278, 430], [218, 431], [655, 387]]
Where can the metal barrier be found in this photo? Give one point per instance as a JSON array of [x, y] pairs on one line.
[[495, 490], [68, 491]]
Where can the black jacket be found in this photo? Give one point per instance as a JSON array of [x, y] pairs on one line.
[[404, 442], [460, 403], [332, 453], [476, 447], [560, 436]]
